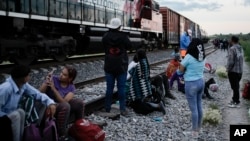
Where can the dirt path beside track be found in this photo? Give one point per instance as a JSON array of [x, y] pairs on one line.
[[231, 116]]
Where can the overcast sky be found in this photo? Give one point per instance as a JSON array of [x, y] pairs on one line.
[[214, 16]]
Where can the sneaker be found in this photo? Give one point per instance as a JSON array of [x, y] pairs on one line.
[[233, 105], [182, 91], [212, 71], [162, 108], [63, 138], [209, 97], [124, 113], [170, 95], [203, 96], [191, 134], [200, 131]]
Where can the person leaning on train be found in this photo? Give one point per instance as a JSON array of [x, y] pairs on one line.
[[184, 42], [11, 91]]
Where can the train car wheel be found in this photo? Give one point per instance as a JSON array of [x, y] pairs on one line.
[[23, 61], [25, 56], [60, 56]]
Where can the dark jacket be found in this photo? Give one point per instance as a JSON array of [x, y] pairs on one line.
[[116, 44]]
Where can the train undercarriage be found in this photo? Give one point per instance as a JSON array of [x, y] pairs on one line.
[[24, 41]]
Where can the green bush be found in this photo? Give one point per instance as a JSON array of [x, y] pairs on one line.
[[221, 72], [213, 106], [246, 47], [212, 117]]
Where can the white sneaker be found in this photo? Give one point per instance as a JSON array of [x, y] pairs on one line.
[[200, 131], [191, 134], [233, 105]]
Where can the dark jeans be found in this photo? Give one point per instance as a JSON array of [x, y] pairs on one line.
[[121, 85], [63, 112], [234, 79]]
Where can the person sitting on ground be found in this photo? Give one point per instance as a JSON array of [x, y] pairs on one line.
[[61, 89], [178, 76], [161, 84], [11, 91], [173, 64], [139, 92], [209, 83]]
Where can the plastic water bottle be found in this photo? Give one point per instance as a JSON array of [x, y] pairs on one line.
[[157, 119]]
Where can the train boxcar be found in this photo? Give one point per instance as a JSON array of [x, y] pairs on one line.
[[174, 24], [37, 29], [171, 27]]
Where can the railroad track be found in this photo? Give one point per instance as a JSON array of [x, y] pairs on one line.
[[156, 68], [95, 100]]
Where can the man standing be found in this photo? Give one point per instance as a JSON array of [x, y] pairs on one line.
[[184, 42], [116, 44], [235, 69]]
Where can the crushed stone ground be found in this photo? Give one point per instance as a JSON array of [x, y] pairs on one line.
[[230, 116]]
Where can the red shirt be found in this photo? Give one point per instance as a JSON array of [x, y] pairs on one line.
[[172, 67]]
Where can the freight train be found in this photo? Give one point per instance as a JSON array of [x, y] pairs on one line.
[[38, 29]]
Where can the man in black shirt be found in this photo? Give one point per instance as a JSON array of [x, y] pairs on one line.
[[116, 44]]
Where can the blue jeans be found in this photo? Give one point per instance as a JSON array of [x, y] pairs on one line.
[[194, 91], [121, 85]]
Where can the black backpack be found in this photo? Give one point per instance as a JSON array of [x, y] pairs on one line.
[[158, 88]]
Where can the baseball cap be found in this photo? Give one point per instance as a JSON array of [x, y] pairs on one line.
[[189, 32], [115, 23]]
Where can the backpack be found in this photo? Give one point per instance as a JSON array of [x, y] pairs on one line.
[[49, 130], [158, 89], [84, 130], [46, 132], [209, 68], [32, 133], [246, 91]]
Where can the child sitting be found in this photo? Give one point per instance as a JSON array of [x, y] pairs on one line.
[[173, 64], [180, 81]]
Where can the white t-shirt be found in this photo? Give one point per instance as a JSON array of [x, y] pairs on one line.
[[131, 65]]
